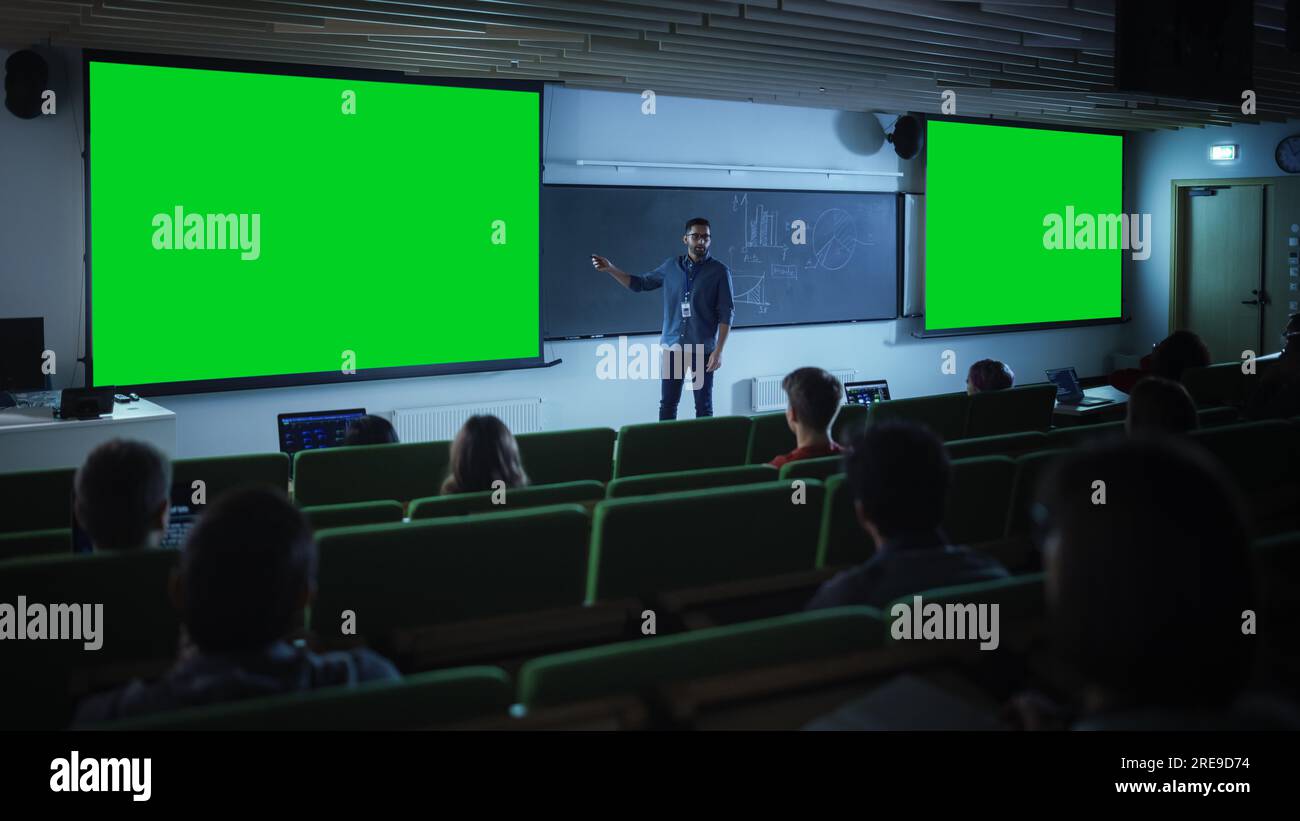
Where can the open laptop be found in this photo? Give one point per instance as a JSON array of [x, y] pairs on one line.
[[315, 429], [1068, 391], [864, 393]]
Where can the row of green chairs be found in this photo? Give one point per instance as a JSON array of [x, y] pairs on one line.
[[640, 667]]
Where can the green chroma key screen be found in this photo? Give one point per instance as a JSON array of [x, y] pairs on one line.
[[260, 225], [988, 191]]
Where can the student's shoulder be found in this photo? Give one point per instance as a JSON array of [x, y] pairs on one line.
[[352, 666]]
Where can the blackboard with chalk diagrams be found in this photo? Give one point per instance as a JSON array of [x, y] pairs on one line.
[[796, 257]]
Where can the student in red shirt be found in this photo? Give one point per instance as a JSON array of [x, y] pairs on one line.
[[814, 397]]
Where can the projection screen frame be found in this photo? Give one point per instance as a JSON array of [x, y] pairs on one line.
[[973, 330], [301, 70]]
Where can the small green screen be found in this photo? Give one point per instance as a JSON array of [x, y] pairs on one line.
[[989, 191], [255, 225]]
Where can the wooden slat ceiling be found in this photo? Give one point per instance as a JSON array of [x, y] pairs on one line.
[[1037, 60]]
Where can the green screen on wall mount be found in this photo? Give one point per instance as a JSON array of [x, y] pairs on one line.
[[1022, 226], [254, 226]]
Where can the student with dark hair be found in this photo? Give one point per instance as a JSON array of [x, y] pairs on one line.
[[813, 398], [122, 495], [1278, 393], [698, 310], [989, 375], [1173, 355], [1146, 592], [246, 576], [1159, 405], [370, 430], [898, 475], [484, 452]]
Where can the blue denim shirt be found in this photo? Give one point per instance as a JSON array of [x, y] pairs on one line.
[[711, 299]]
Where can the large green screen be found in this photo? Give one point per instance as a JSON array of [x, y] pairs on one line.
[[259, 225], [991, 195]]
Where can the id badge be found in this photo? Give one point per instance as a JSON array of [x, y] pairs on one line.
[[686, 309]]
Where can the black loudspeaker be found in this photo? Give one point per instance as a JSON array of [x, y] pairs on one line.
[[85, 403], [906, 137], [27, 75]]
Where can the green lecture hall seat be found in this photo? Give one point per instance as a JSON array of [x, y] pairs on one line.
[[1029, 471], [635, 667], [822, 467], [1006, 444], [652, 483], [1021, 600], [681, 444], [50, 542], [841, 540], [1214, 417], [1214, 385], [464, 504], [552, 457], [36, 499], [979, 498], [649, 544], [331, 476], [1011, 411], [1081, 434], [417, 701], [222, 473], [322, 517], [848, 423], [1261, 457], [456, 568], [139, 625], [944, 413], [769, 437]]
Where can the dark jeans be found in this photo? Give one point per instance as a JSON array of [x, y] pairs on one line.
[[670, 389]]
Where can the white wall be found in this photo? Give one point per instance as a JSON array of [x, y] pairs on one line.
[[40, 270], [1154, 161]]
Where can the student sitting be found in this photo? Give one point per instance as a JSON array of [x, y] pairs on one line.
[[370, 430], [1146, 592], [989, 375], [483, 452], [1159, 405], [814, 397], [122, 495], [1278, 394], [247, 573], [1173, 355], [898, 475]]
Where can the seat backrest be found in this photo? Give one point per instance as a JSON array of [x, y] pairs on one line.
[[349, 514], [820, 468], [769, 437], [652, 483], [450, 569], [1029, 472], [841, 540], [490, 501], [220, 474], [1078, 434], [1214, 417], [330, 476], [1221, 384], [552, 457], [944, 413], [642, 665], [1260, 455], [23, 543], [1010, 411], [648, 544], [1021, 599], [979, 498], [681, 444], [849, 422], [1006, 444], [415, 702], [36, 499]]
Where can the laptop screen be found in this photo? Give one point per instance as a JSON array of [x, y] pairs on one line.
[[315, 429], [1066, 382], [864, 393]]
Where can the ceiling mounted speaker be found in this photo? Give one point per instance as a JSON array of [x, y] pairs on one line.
[[27, 75], [906, 137]]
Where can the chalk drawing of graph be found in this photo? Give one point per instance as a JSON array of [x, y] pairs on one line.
[[834, 239], [750, 291]]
